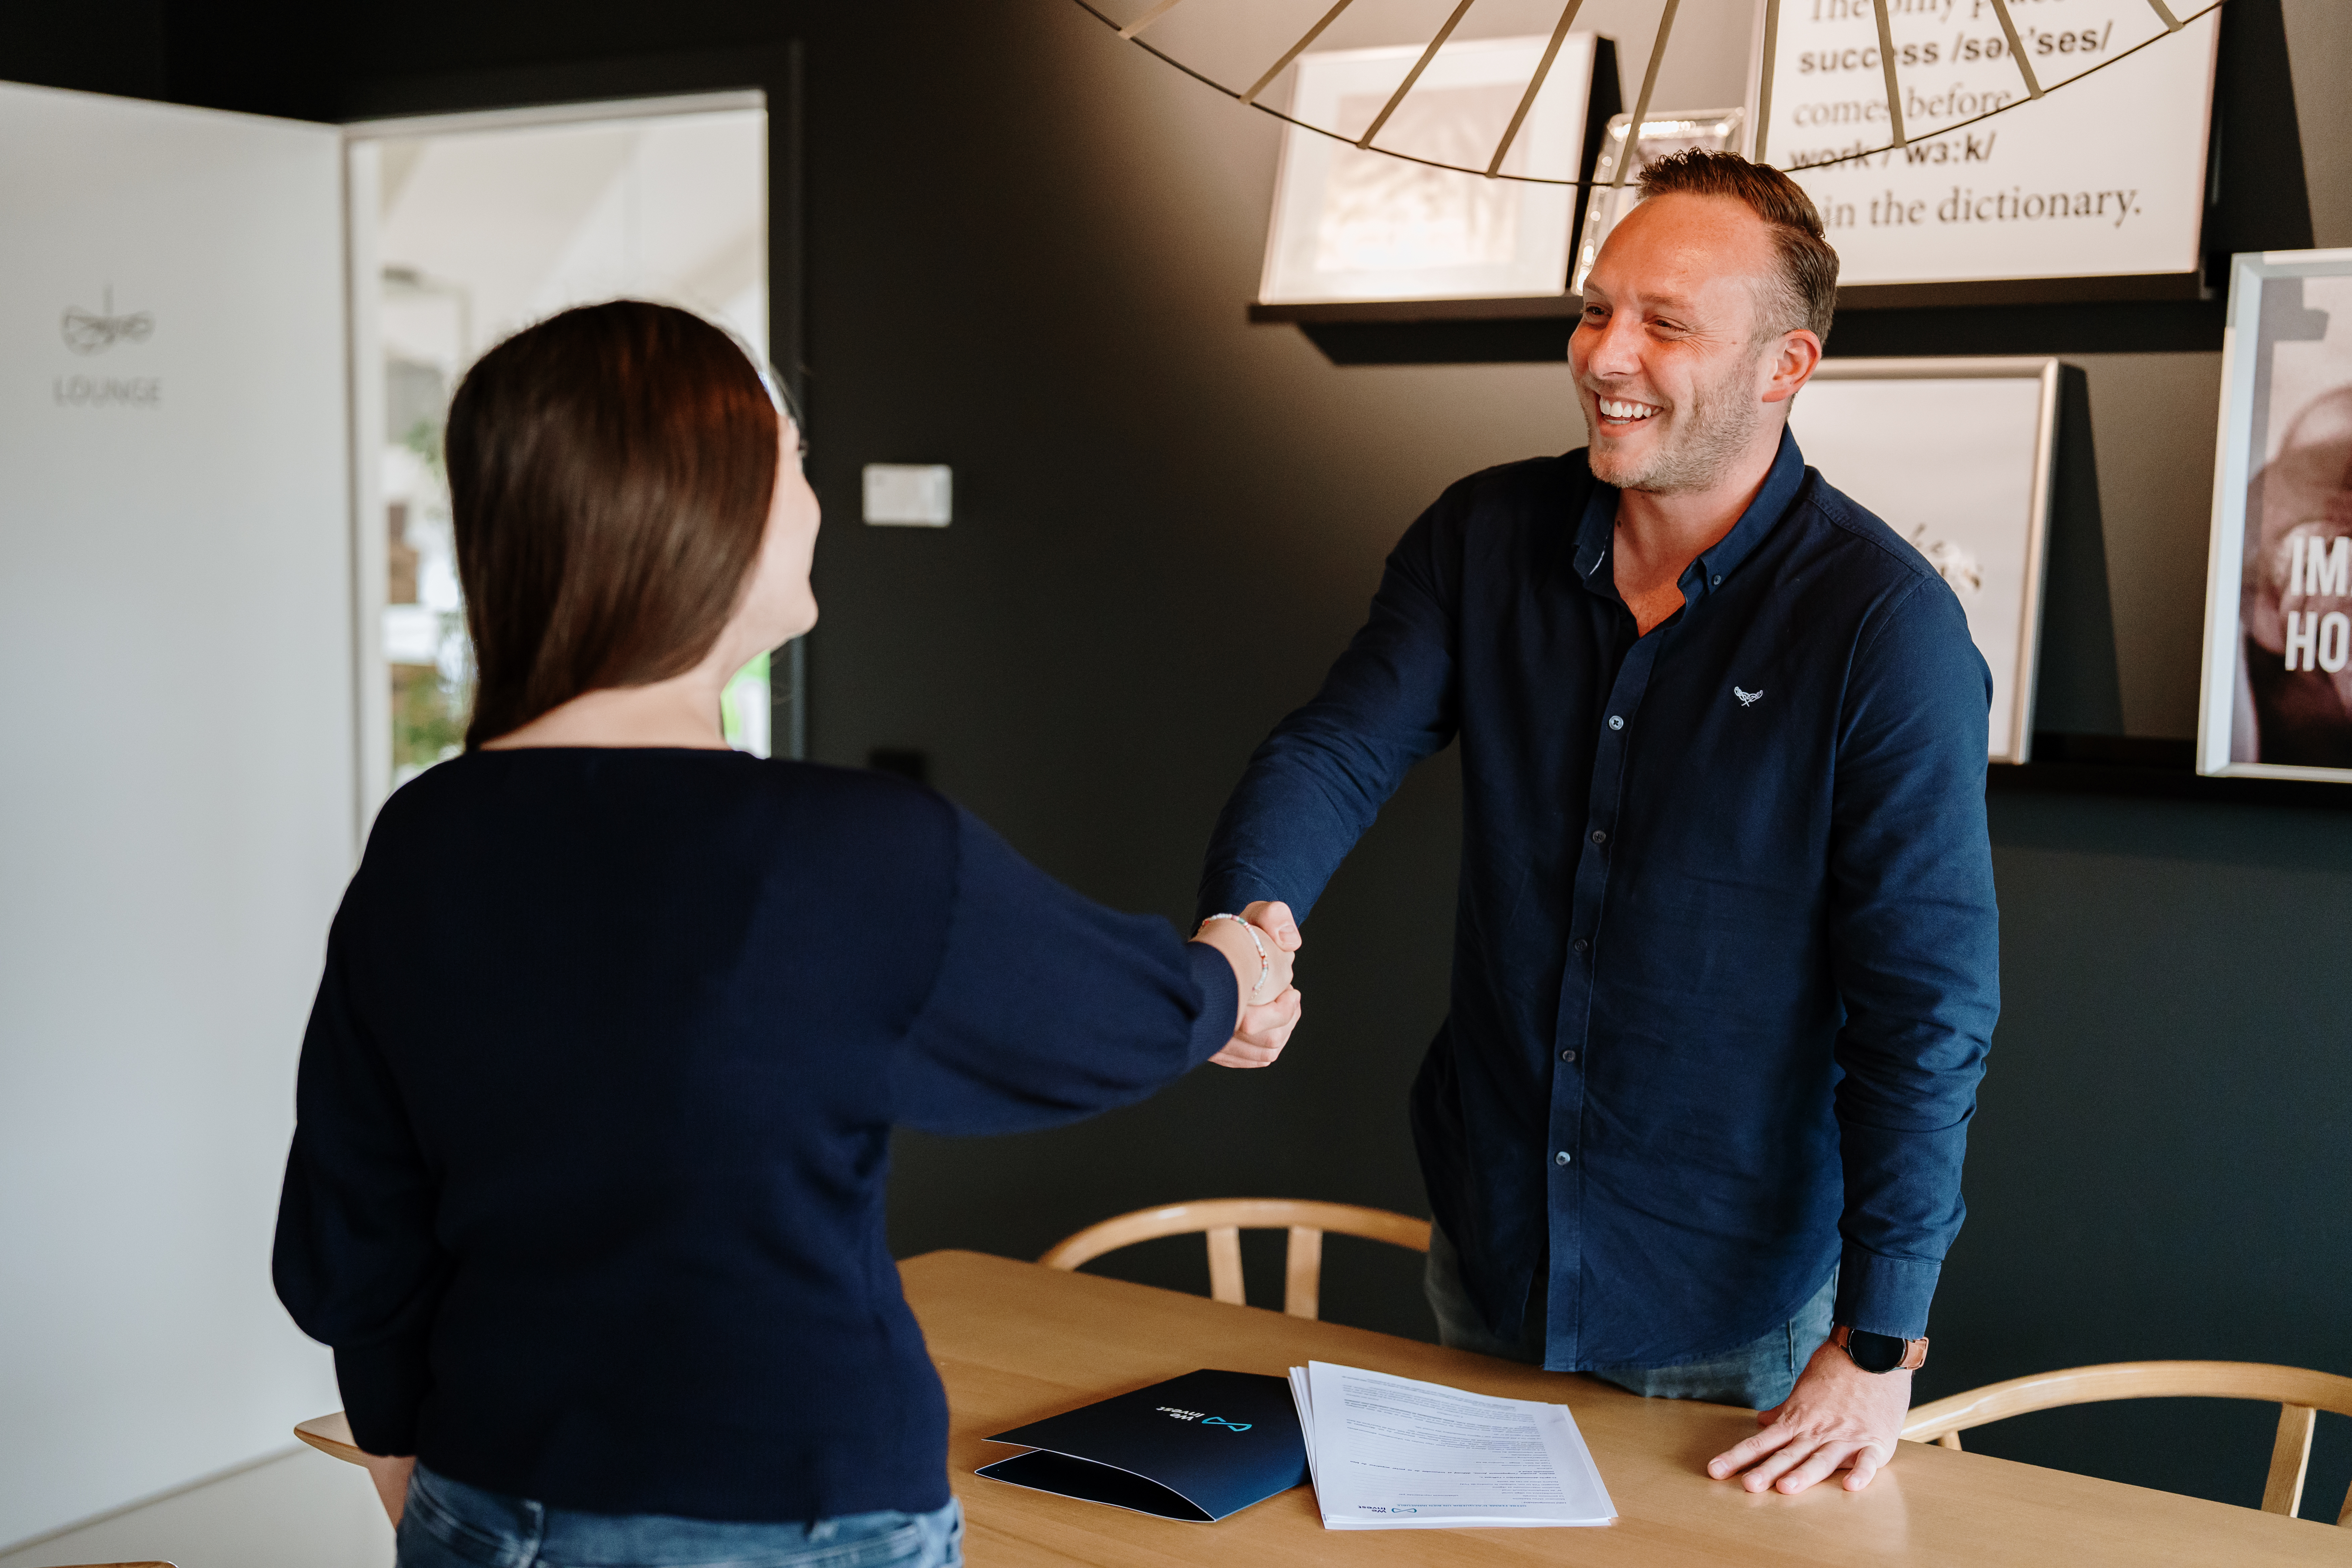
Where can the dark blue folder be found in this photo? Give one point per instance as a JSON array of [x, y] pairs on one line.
[[1196, 1447]]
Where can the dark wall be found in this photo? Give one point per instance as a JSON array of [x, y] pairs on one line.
[[119, 49], [1028, 250], [1175, 521]]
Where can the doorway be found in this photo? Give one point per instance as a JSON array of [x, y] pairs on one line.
[[465, 228]]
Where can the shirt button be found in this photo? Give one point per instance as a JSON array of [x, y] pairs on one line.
[[1715, 581], [1568, 1056], [1615, 723], [1580, 944], [1599, 836], [1560, 1158]]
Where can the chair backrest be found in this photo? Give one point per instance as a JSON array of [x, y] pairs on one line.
[[2301, 1394], [1225, 1219]]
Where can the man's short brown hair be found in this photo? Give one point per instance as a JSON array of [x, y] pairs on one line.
[[1807, 293]]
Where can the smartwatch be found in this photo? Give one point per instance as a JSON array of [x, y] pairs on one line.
[[1879, 1352]]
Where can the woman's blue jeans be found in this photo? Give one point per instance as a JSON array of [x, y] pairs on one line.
[[448, 1524]]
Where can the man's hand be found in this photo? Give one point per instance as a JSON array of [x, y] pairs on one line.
[[1275, 918], [1262, 1033], [1838, 1417], [1263, 1030]]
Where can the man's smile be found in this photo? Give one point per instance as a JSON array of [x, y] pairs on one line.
[[1618, 410]]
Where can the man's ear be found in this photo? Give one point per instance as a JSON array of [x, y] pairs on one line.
[[1793, 363]]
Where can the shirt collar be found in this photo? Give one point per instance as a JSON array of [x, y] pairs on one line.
[[1781, 482], [1598, 526]]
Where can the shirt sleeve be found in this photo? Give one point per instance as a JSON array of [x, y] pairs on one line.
[[1048, 1007], [356, 1263], [1915, 941], [1315, 786]]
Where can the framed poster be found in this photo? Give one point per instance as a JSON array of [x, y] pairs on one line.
[[1712, 130], [1351, 224], [2092, 167], [2277, 699], [1956, 455]]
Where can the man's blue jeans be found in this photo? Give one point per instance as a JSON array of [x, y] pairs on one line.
[[448, 1524], [1756, 1376]]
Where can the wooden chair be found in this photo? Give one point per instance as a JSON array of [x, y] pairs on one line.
[[2301, 1396], [332, 1435], [1225, 1219]]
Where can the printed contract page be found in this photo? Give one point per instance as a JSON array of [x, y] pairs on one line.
[[1389, 1453]]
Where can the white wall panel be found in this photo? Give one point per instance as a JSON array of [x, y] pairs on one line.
[[176, 776]]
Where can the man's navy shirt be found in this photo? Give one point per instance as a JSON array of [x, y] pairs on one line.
[[1726, 963]]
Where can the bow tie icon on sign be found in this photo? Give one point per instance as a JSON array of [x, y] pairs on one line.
[[1746, 699], [95, 332], [1221, 1421]]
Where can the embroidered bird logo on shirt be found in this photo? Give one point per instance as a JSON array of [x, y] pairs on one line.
[[1746, 699]]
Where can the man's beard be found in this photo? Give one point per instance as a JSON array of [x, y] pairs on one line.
[[1714, 430]]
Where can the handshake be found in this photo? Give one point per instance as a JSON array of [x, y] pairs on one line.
[[1258, 945]]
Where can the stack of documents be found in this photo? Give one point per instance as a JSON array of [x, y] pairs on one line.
[[1388, 1453]]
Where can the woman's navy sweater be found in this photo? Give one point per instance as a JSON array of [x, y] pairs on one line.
[[595, 1104]]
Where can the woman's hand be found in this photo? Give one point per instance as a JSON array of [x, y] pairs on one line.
[[1260, 954], [391, 1478], [1261, 1029]]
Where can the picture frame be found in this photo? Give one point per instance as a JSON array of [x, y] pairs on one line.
[[1352, 223], [2029, 155], [1711, 129], [1958, 457], [2277, 700]]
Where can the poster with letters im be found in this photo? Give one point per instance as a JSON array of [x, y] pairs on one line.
[[2277, 699], [1967, 175]]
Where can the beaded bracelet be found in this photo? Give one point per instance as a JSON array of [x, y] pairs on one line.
[[1265, 964]]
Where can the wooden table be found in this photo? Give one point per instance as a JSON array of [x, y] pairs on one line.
[[1015, 1342]]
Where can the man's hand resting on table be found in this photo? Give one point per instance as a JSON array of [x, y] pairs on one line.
[[1263, 1030], [1838, 1417]]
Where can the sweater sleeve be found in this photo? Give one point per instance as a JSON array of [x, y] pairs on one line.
[[1048, 1007], [356, 1263]]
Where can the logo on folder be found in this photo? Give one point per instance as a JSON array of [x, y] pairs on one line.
[[1124, 1451], [1173, 1413]]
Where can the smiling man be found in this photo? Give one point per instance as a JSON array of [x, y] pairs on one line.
[[1725, 962]]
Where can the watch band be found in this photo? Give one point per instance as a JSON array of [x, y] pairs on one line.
[[1915, 1352]]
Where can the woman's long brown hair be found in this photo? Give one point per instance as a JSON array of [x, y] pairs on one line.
[[609, 475]]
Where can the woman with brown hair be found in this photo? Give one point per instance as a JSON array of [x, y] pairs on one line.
[[596, 1098]]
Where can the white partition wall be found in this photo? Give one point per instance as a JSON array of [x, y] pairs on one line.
[[176, 783]]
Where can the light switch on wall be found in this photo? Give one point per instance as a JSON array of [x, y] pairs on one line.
[[912, 495]]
